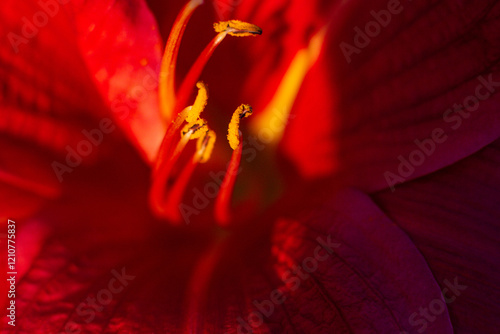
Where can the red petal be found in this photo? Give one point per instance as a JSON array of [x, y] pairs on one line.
[[308, 141], [100, 231], [401, 84], [27, 180], [47, 98], [122, 48], [453, 217], [47, 90], [374, 280], [287, 28]]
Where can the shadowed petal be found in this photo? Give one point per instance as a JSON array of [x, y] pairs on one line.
[[401, 84], [453, 217], [101, 269], [373, 279], [368, 277]]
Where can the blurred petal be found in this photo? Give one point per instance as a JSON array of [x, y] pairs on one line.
[[400, 83], [44, 79], [453, 217], [308, 139], [47, 98], [288, 27], [373, 280], [102, 252], [27, 179], [122, 48]]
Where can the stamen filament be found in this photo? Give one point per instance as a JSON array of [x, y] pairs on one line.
[[204, 149], [162, 174], [232, 28], [165, 198], [164, 151], [195, 70], [175, 195], [223, 201], [166, 86], [190, 114]]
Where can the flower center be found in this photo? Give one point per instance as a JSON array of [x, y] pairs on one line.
[[165, 198]]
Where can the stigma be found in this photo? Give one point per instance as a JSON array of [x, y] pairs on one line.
[[169, 180]]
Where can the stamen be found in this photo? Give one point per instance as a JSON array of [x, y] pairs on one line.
[[199, 104], [197, 129], [205, 146], [204, 149], [191, 114], [233, 135], [237, 28], [233, 28], [164, 151], [162, 175], [175, 195], [163, 200], [195, 70], [167, 73], [223, 201]]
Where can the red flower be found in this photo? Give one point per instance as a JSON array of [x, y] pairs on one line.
[[373, 210]]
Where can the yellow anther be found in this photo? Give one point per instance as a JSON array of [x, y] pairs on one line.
[[199, 103], [237, 28], [205, 146], [233, 132], [197, 129]]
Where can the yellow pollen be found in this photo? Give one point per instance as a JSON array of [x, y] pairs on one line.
[[233, 132], [197, 129], [199, 103], [205, 146], [237, 28]]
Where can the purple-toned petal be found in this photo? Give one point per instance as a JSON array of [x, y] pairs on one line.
[[345, 268], [369, 276], [397, 86], [453, 217]]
